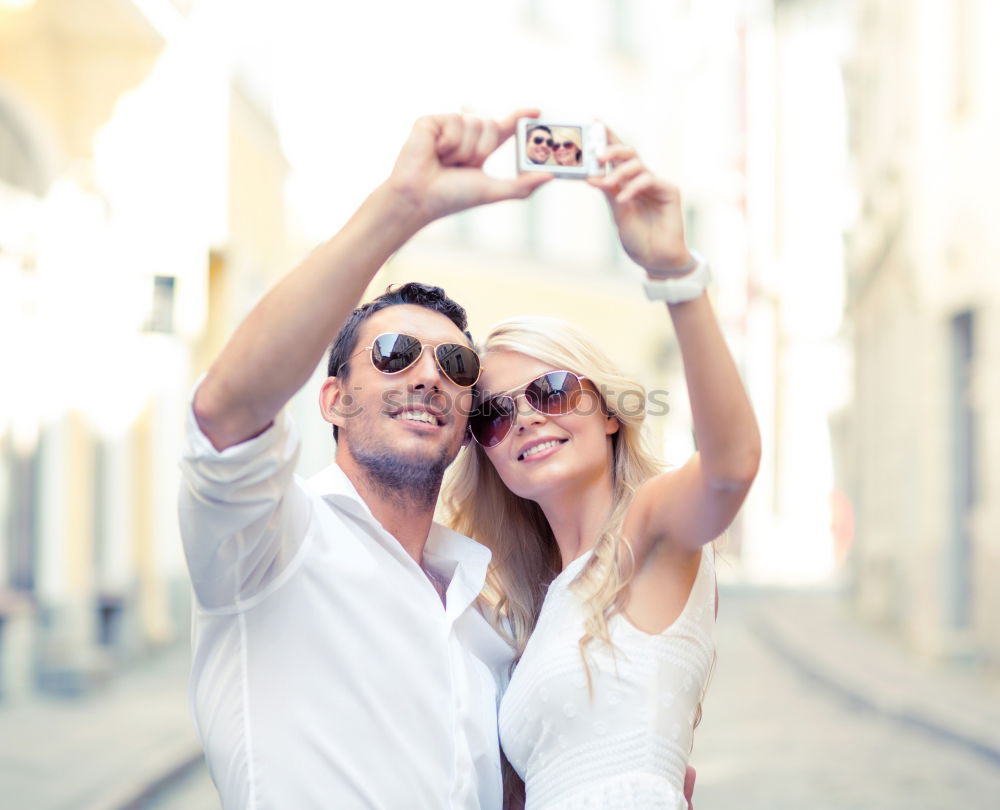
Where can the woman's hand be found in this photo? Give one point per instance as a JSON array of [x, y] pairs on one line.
[[646, 209], [439, 170]]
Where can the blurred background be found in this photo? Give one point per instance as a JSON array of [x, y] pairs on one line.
[[162, 162]]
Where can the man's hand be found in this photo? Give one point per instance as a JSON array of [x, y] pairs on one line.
[[646, 209], [689, 776], [440, 168]]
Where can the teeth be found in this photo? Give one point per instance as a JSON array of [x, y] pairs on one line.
[[417, 416], [538, 448]]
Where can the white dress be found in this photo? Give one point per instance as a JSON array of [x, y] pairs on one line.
[[627, 748]]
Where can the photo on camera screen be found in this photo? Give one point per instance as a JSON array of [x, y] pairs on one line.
[[564, 149]]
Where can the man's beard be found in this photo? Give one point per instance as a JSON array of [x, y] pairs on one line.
[[406, 481]]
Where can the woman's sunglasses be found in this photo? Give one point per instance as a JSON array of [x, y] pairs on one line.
[[538, 139], [554, 393], [393, 352]]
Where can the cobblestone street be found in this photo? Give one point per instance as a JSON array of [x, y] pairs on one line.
[[193, 790], [775, 738]]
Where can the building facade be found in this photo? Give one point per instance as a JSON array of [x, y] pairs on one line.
[[919, 443], [140, 181], [144, 211]]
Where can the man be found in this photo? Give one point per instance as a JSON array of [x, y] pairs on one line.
[[539, 144], [339, 659]]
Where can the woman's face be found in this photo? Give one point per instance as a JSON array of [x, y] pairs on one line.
[[545, 455], [566, 152]]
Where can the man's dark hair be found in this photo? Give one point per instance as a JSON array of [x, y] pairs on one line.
[[540, 126], [422, 295]]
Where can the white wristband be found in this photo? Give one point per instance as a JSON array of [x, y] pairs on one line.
[[678, 289]]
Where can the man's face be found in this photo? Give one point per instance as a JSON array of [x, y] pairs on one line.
[[538, 145], [412, 422]]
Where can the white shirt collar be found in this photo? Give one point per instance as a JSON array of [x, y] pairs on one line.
[[454, 554]]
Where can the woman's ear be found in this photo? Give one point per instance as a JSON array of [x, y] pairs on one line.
[[611, 424]]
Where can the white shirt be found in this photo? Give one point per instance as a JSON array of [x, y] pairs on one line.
[[327, 673]]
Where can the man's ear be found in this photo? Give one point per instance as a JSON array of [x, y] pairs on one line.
[[334, 402]]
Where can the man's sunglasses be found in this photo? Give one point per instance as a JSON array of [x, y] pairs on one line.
[[554, 393], [393, 352], [552, 144]]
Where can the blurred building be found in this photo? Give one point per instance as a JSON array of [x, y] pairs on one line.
[[138, 177], [742, 105], [793, 116], [142, 212], [670, 78], [919, 450]]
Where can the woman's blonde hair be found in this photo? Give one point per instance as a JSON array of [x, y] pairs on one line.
[[567, 133], [525, 555]]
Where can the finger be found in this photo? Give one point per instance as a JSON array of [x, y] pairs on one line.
[[643, 183], [527, 183], [495, 133], [488, 140], [612, 137], [622, 174], [523, 186], [617, 154], [507, 126], [449, 136], [472, 128]]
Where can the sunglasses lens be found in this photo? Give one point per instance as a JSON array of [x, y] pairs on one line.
[[539, 139], [393, 352], [491, 421], [557, 392], [459, 363]]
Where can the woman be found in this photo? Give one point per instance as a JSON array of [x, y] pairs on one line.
[[599, 573], [566, 146]]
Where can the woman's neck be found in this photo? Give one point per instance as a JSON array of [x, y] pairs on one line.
[[577, 515]]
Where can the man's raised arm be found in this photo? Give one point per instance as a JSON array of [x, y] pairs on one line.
[[276, 348]]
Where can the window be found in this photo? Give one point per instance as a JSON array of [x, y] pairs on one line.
[[161, 315], [18, 163], [963, 470], [20, 520]]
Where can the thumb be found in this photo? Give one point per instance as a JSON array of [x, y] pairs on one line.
[[523, 186]]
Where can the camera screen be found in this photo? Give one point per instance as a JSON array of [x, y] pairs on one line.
[[547, 145]]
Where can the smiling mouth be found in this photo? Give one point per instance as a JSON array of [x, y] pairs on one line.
[[422, 417], [538, 448]]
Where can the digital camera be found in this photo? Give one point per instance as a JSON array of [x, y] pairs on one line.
[[565, 149]]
